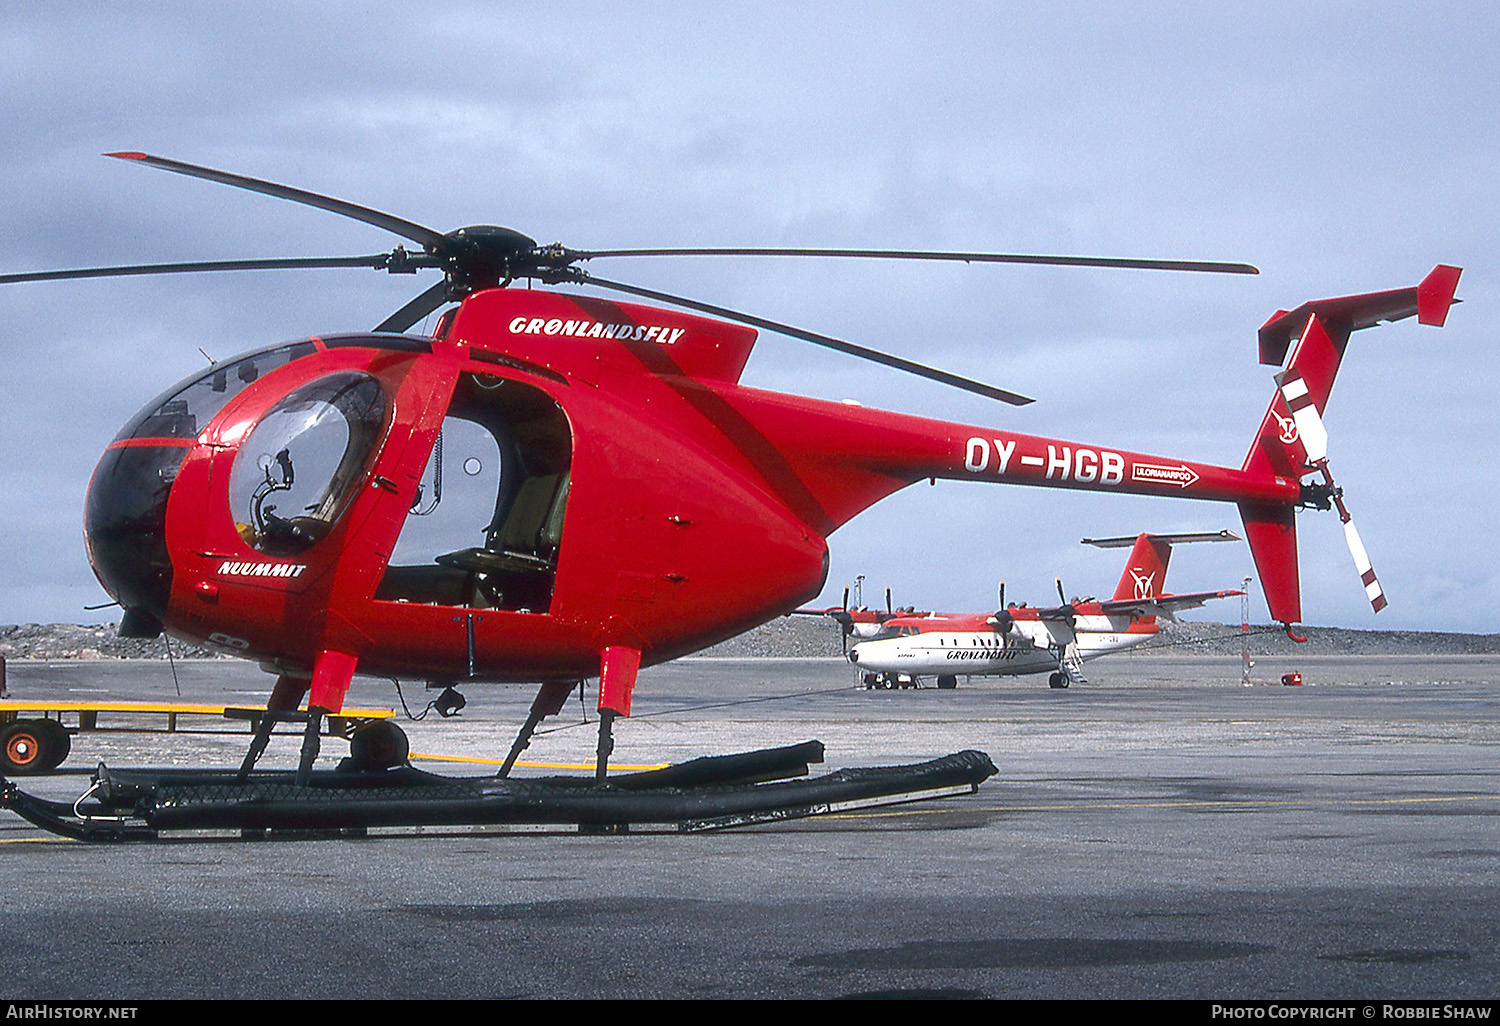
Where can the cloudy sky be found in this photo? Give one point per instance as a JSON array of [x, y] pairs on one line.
[[1340, 147]]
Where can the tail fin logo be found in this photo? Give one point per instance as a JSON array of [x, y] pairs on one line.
[[1287, 428], [1145, 582]]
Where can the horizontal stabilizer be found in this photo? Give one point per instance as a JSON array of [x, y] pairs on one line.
[[1163, 605], [1429, 301], [1125, 541]]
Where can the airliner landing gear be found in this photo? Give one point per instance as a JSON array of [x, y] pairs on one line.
[[1057, 680], [947, 682], [892, 681]]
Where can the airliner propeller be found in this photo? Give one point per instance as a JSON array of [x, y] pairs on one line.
[[1002, 621], [1065, 609]]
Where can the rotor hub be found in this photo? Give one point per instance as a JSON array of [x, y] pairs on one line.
[[483, 256]]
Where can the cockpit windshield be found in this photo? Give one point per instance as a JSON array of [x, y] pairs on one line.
[[186, 408]]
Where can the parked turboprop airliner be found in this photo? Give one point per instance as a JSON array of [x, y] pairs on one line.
[[1019, 639]]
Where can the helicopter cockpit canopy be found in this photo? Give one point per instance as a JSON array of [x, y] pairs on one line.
[[186, 408], [296, 471]]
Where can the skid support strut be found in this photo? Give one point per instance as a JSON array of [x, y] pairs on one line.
[[548, 702], [618, 667], [332, 673], [285, 697]]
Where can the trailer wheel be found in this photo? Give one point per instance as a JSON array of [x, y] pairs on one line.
[[26, 746], [947, 682], [378, 745], [62, 744]]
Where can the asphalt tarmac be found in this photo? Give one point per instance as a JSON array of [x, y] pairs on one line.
[[1160, 832]]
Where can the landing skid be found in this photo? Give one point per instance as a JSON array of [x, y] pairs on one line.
[[703, 794]]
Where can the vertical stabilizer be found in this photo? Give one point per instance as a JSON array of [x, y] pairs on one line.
[[1271, 532], [1145, 573]]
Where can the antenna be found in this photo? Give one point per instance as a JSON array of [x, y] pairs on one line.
[[1245, 661]]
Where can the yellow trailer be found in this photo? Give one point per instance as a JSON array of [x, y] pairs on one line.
[[35, 737]]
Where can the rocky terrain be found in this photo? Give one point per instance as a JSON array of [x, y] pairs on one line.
[[87, 641], [800, 636], [790, 636], [1189, 637]]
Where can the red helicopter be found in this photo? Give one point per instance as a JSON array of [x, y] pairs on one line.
[[256, 507]]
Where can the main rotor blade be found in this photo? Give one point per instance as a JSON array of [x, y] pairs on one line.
[[1214, 266], [420, 307], [849, 348], [376, 260], [430, 239]]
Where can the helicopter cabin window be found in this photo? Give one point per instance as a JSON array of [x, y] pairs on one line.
[[299, 467], [486, 525]]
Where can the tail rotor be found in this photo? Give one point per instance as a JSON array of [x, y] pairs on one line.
[[1292, 442], [1361, 561], [1314, 438]]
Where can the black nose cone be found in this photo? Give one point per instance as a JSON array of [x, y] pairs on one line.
[[125, 522]]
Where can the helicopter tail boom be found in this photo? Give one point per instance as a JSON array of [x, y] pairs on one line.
[[844, 458]]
